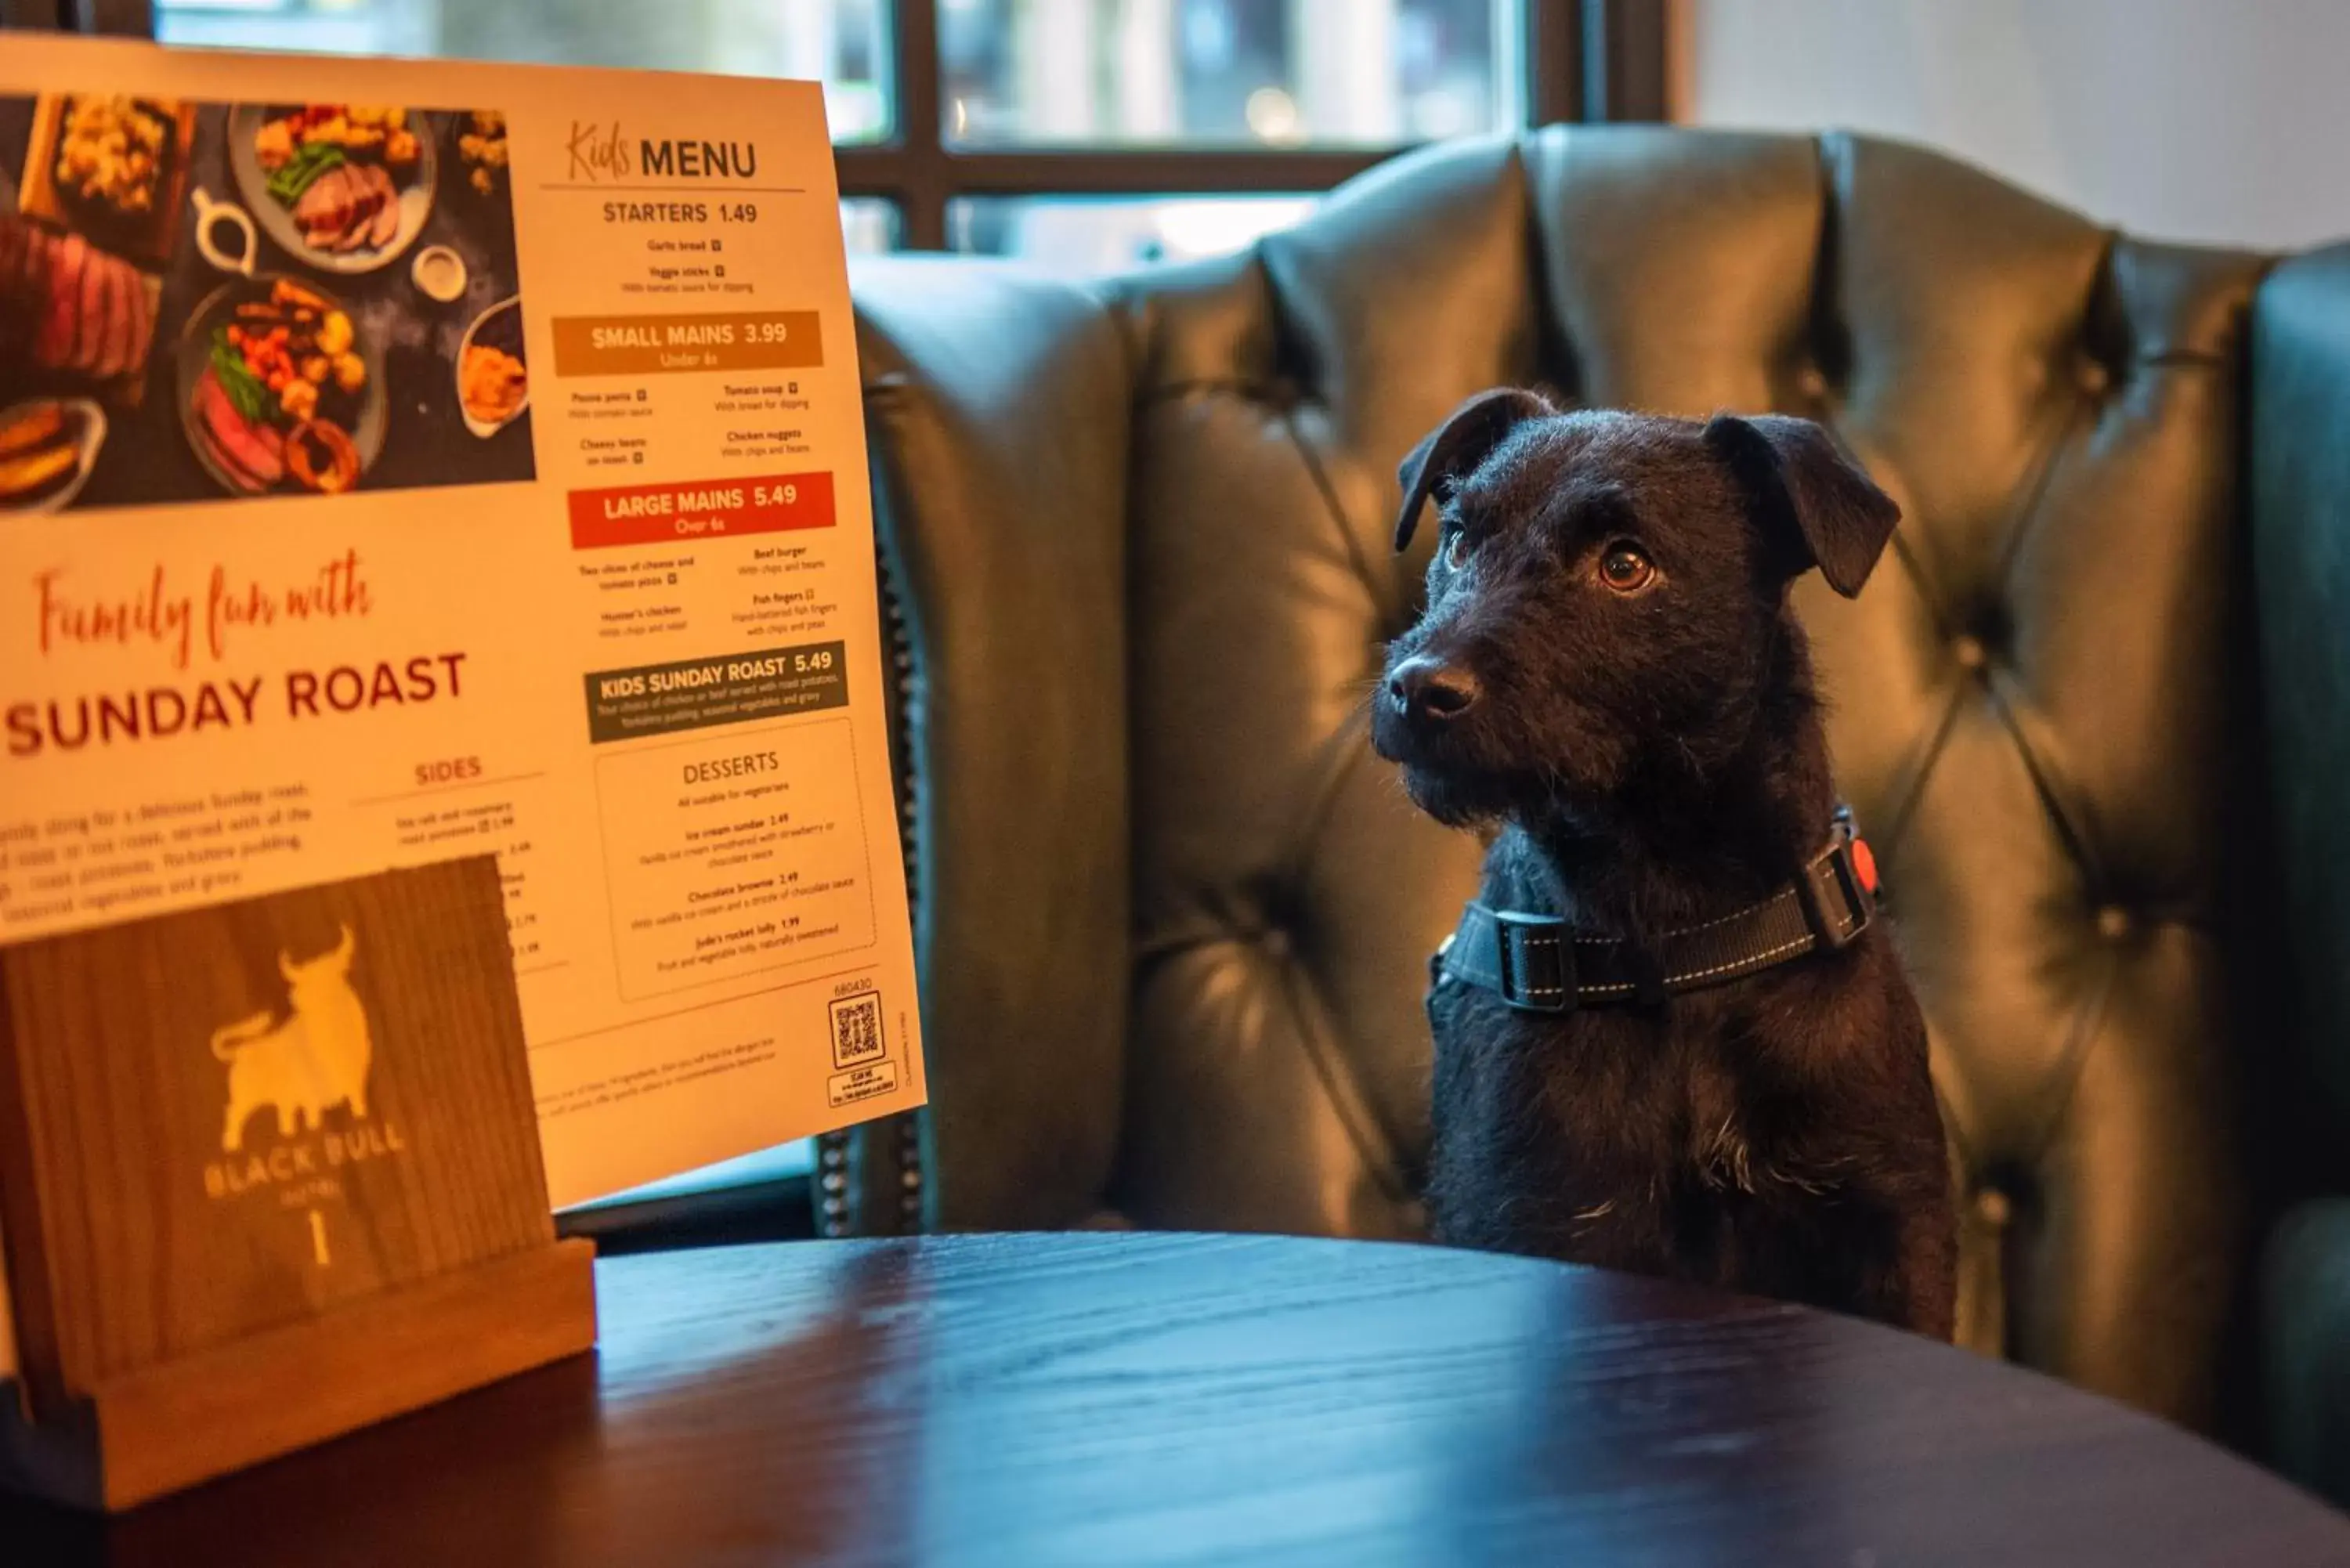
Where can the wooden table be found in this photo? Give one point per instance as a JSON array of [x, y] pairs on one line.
[[1097, 1399]]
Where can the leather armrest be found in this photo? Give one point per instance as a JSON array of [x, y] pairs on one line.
[[2298, 466], [2299, 483], [997, 409], [2305, 1346]]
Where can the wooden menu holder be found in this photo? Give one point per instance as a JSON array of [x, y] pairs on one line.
[[269, 1171]]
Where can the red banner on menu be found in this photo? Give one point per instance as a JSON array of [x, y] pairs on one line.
[[699, 509]]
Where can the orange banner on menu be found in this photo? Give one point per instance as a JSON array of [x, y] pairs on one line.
[[699, 509], [719, 340]]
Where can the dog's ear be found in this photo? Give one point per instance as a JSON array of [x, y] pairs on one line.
[[1458, 445], [1808, 495]]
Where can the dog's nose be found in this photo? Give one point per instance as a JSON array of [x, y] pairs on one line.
[[1431, 690]]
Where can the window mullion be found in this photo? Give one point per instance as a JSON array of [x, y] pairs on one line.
[[922, 173]]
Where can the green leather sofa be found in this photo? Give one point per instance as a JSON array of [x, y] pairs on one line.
[[2093, 712]]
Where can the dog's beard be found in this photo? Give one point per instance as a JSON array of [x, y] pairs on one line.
[[1449, 778], [1458, 798]]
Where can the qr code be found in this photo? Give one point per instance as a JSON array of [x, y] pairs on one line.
[[857, 1029]]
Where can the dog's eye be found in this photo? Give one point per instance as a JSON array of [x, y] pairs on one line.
[[1456, 550], [1626, 570]]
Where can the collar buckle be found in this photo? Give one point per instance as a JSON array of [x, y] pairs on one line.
[[1833, 927], [1535, 955]]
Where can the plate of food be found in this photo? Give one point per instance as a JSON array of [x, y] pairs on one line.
[[109, 168], [47, 446], [343, 187], [278, 392], [493, 382]]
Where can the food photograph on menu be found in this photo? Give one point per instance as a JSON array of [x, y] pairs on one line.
[[201, 301]]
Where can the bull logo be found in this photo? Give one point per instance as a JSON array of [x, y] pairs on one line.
[[314, 1058]]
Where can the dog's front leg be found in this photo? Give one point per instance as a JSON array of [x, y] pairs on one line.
[[1924, 1286]]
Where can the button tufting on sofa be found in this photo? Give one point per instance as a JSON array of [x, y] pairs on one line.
[[1948, 328], [1167, 522]]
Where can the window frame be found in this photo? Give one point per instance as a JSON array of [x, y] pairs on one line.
[[1585, 61]]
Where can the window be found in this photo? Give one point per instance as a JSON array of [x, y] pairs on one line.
[[1086, 236], [1085, 134], [844, 44], [1233, 73]]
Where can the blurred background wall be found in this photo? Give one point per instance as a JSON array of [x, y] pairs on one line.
[[2222, 121]]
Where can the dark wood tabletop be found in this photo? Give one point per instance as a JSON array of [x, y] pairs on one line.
[[1097, 1399]]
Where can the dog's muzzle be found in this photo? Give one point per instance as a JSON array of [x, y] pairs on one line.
[[1428, 693]]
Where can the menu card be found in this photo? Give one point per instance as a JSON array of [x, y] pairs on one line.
[[400, 461]]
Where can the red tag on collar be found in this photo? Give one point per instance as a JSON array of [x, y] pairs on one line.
[[1864, 864]]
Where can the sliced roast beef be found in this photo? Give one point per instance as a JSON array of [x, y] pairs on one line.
[[14, 235], [25, 274], [237, 478], [387, 216], [42, 259], [28, 309], [144, 296], [326, 209], [122, 319], [89, 332], [368, 202], [60, 319], [252, 455], [107, 272], [20, 305], [27, 286]]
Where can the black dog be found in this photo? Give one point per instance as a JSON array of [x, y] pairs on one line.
[[1706, 1061]]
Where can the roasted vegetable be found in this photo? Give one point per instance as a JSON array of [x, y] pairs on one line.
[[322, 457], [112, 150], [35, 471], [42, 425], [491, 383], [483, 148], [287, 292], [246, 391], [274, 144], [40, 451], [295, 175]]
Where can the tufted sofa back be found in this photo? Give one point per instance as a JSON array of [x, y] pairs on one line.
[[2037, 704]]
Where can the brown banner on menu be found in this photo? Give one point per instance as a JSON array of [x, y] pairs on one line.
[[699, 693], [646, 345]]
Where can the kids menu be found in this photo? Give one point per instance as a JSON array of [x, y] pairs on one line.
[[401, 461]]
